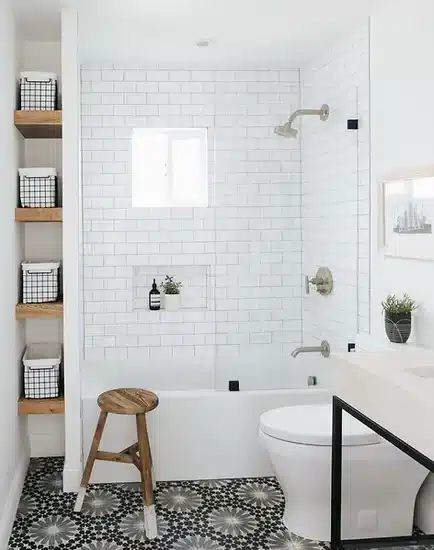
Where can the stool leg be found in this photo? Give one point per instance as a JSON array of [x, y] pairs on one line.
[[150, 518], [154, 481], [90, 461]]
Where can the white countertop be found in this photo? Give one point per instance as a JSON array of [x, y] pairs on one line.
[[380, 385]]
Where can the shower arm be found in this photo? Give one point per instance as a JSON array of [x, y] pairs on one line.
[[286, 130], [300, 112]]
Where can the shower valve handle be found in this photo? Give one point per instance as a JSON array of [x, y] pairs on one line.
[[323, 281], [317, 281]]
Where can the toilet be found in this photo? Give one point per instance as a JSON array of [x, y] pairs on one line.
[[379, 482]]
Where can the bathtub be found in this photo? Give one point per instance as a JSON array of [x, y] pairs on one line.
[[202, 434]]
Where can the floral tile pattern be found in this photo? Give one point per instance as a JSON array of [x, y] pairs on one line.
[[233, 521], [100, 503], [179, 499], [235, 514], [261, 494]]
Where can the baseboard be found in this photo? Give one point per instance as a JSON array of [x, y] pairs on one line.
[[8, 517], [71, 480]]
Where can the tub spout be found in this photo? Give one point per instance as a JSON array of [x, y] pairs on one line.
[[324, 349]]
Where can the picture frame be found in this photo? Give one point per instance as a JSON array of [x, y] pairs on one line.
[[406, 214]]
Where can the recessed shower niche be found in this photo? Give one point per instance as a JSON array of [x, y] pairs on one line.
[[195, 291]]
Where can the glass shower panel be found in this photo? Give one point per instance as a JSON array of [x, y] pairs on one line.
[[330, 220], [258, 269]]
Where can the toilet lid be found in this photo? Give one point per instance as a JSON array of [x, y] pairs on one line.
[[312, 425]]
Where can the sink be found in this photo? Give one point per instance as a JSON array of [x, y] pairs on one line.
[[422, 372]]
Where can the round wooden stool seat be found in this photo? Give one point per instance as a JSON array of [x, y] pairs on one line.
[[127, 401]]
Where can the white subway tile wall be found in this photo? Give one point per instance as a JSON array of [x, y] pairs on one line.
[[336, 184], [248, 241]]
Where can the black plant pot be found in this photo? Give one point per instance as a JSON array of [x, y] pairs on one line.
[[398, 327]]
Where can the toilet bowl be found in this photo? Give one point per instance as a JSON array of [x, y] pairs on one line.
[[379, 482]]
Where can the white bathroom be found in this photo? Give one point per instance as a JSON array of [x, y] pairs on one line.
[[234, 191]]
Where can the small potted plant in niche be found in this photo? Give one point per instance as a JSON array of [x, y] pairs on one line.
[[172, 296], [397, 317]]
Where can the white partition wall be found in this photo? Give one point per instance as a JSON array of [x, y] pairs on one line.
[[71, 249]]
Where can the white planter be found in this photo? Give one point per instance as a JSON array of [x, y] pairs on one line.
[[172, 302]]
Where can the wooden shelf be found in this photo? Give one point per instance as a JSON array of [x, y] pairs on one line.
[[55, 405], [39, 124], [35, 311], [38, 214]]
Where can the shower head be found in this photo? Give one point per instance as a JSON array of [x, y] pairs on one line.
[[286, 130]]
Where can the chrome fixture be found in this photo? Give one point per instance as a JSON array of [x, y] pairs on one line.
[[323, 349], [286, 130], [323, 281], [312, 381]]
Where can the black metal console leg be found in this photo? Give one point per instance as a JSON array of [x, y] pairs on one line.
[[336, 482], [337, 543]]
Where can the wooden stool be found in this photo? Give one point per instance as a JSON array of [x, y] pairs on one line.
[[126, 401]]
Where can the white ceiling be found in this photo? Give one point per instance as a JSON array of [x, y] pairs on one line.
[[244, 33]]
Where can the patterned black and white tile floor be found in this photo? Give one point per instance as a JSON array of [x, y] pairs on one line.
[[238, 514]]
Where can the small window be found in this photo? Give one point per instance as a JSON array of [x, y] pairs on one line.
[[169, 167]]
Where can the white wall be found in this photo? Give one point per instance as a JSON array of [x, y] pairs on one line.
[[249, 238], [13, 441], [42, 56], [402, 75], [336, 183]]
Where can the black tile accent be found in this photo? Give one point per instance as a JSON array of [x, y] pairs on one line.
[[353, 124]]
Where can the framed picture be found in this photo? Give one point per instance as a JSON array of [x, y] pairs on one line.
[[407, 214]]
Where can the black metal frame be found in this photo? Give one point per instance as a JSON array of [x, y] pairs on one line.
[[336, 484]]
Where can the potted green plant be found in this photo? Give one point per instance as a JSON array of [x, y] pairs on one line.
[[172, 296], [397, 317]]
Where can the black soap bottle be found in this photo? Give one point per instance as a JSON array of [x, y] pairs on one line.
[[154, 297]]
